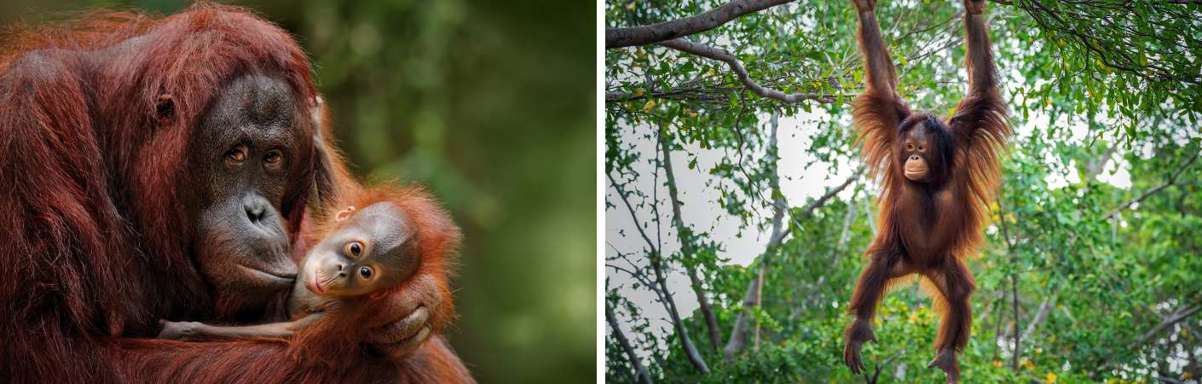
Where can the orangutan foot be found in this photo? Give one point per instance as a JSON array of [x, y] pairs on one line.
[[946, 360]]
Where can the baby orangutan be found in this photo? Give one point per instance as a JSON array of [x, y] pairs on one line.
[[365, 252]]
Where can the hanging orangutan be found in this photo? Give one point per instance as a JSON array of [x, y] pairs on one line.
[[936, 177]]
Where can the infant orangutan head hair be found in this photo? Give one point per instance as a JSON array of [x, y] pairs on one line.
[[380, 238]]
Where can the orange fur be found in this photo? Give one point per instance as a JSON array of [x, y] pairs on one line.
[[335, 336], [436, 238], [931, 226]]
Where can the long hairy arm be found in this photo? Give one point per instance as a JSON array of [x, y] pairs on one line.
[[880, 76], [979, 123], [876, 112], [982, 108]]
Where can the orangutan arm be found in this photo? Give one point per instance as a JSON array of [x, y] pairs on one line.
[[181, 330], [877, 111], [979, 124], [880, 78], [399, 337], [980, 118], [273, 361]]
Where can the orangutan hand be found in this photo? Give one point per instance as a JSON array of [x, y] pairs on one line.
[[421, 308]]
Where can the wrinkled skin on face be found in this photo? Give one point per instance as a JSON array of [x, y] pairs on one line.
[[247, 150], [369, 251]]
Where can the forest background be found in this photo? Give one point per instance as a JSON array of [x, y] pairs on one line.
[[737, 210]]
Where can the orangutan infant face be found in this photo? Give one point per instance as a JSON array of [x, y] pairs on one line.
[[368, 251], [244, 154]]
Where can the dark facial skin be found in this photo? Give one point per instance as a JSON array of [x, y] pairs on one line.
[[244, 154], [915, 148], [368, 252], [924, 150]]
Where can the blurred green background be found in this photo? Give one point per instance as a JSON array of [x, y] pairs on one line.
[[491, 104]]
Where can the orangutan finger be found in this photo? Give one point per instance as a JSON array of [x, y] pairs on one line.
[[402, 329]]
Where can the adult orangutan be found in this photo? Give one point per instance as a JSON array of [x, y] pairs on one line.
[[163, 168], [937, 179]]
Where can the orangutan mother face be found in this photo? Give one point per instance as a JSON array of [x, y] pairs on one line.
[[248, 152]]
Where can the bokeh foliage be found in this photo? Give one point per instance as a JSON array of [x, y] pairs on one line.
[[492, 105], [1089, 83]]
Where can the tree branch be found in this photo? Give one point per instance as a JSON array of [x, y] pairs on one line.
[[751, 298], [687, 249], [640, 374], [1176, 318], [1044, 309], [830, 193], [654, 33], [1094, 167], [634, 217], [669, 303], [1172, 179], [826, 196], [736, 66]]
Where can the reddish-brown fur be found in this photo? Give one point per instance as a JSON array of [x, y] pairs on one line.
[[329, 344], [434, 240], [95, 238], [927, 228]]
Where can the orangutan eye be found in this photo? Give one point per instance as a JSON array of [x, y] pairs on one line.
[[236, 155], [354, 248], [909, 147], [366, 272], [920, 148], [273, 158]]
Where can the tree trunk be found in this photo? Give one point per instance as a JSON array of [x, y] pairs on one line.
[[845, 233], [751, 299], [681, 332], [686, 247], [1018, 347], [759, 297], [754, 294], [737, 335], [640, 373], [1042, 314], [711, 321]]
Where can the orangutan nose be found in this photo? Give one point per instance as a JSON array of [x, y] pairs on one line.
[[257, 208], [913, 157]]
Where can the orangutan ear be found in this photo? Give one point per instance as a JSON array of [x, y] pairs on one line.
[[164, 109], [344, 214]]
